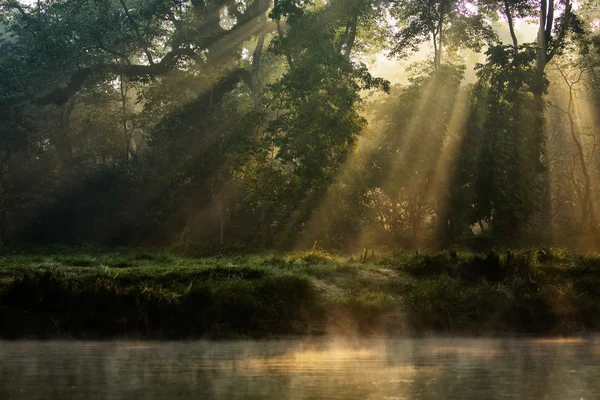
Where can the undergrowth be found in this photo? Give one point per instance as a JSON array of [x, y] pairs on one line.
[[119, 292]]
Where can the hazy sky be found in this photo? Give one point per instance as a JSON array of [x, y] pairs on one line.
[[395, 70]]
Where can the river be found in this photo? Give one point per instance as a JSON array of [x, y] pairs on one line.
[[366, 368]]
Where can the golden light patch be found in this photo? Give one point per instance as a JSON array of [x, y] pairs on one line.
[[556, 341]]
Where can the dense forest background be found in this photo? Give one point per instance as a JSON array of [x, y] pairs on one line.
[[223, 125]]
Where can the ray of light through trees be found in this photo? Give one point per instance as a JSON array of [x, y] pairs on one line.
[[226, 125]]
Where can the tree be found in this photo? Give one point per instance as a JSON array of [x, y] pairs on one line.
[[419, 126], [291, 147], [443, 23], [500, 161]]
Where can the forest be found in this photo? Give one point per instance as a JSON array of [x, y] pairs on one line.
[[233, 125], [177, 168]]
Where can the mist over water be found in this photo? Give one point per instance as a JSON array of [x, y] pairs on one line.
[[440, 368]]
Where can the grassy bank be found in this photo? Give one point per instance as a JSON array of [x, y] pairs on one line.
[[95, 293]]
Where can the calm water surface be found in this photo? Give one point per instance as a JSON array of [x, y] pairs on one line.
[[303, 369]]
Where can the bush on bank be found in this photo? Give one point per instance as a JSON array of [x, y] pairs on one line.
[[114, 293]]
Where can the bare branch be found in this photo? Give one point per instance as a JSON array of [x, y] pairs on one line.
[[288, 56], [511, 27], [137, 32], [62, 95], [549, 20], [562, 33], [352, 36], [113, 52], [218, 47]]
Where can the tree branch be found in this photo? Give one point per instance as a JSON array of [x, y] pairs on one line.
[[113, 52], [137, 32], [256, 69], [218, 46], [562, 33], [62, 95], [288, 56], [549, 20], [542, 27], [343, 39], [511, 26], [352, 37]]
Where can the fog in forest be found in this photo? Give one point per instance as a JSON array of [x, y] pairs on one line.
[[237, 125]]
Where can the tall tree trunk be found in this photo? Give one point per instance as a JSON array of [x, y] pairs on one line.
[[186, 232], [187, 228], [543, 57], [435, 50], [61, 138], [265, 225], [288, 55], [222, 232], [124, 116], [219, 201], [511, 27], [441, 40], [538, 133], [413, 218], [256, 89], [265, 222], [2, 201], [588, 215], [351, 36], [137, 32]]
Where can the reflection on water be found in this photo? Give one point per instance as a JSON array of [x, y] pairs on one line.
[[303, 369]]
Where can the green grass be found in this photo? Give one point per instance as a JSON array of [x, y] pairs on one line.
[[89, 292]]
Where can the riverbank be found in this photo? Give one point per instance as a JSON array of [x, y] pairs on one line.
[[92, 293]]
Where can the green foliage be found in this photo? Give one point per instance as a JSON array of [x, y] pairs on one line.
[[89, 293], [446, 22], [206, 126], [288, 151], [503, 148], [404, 185]]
